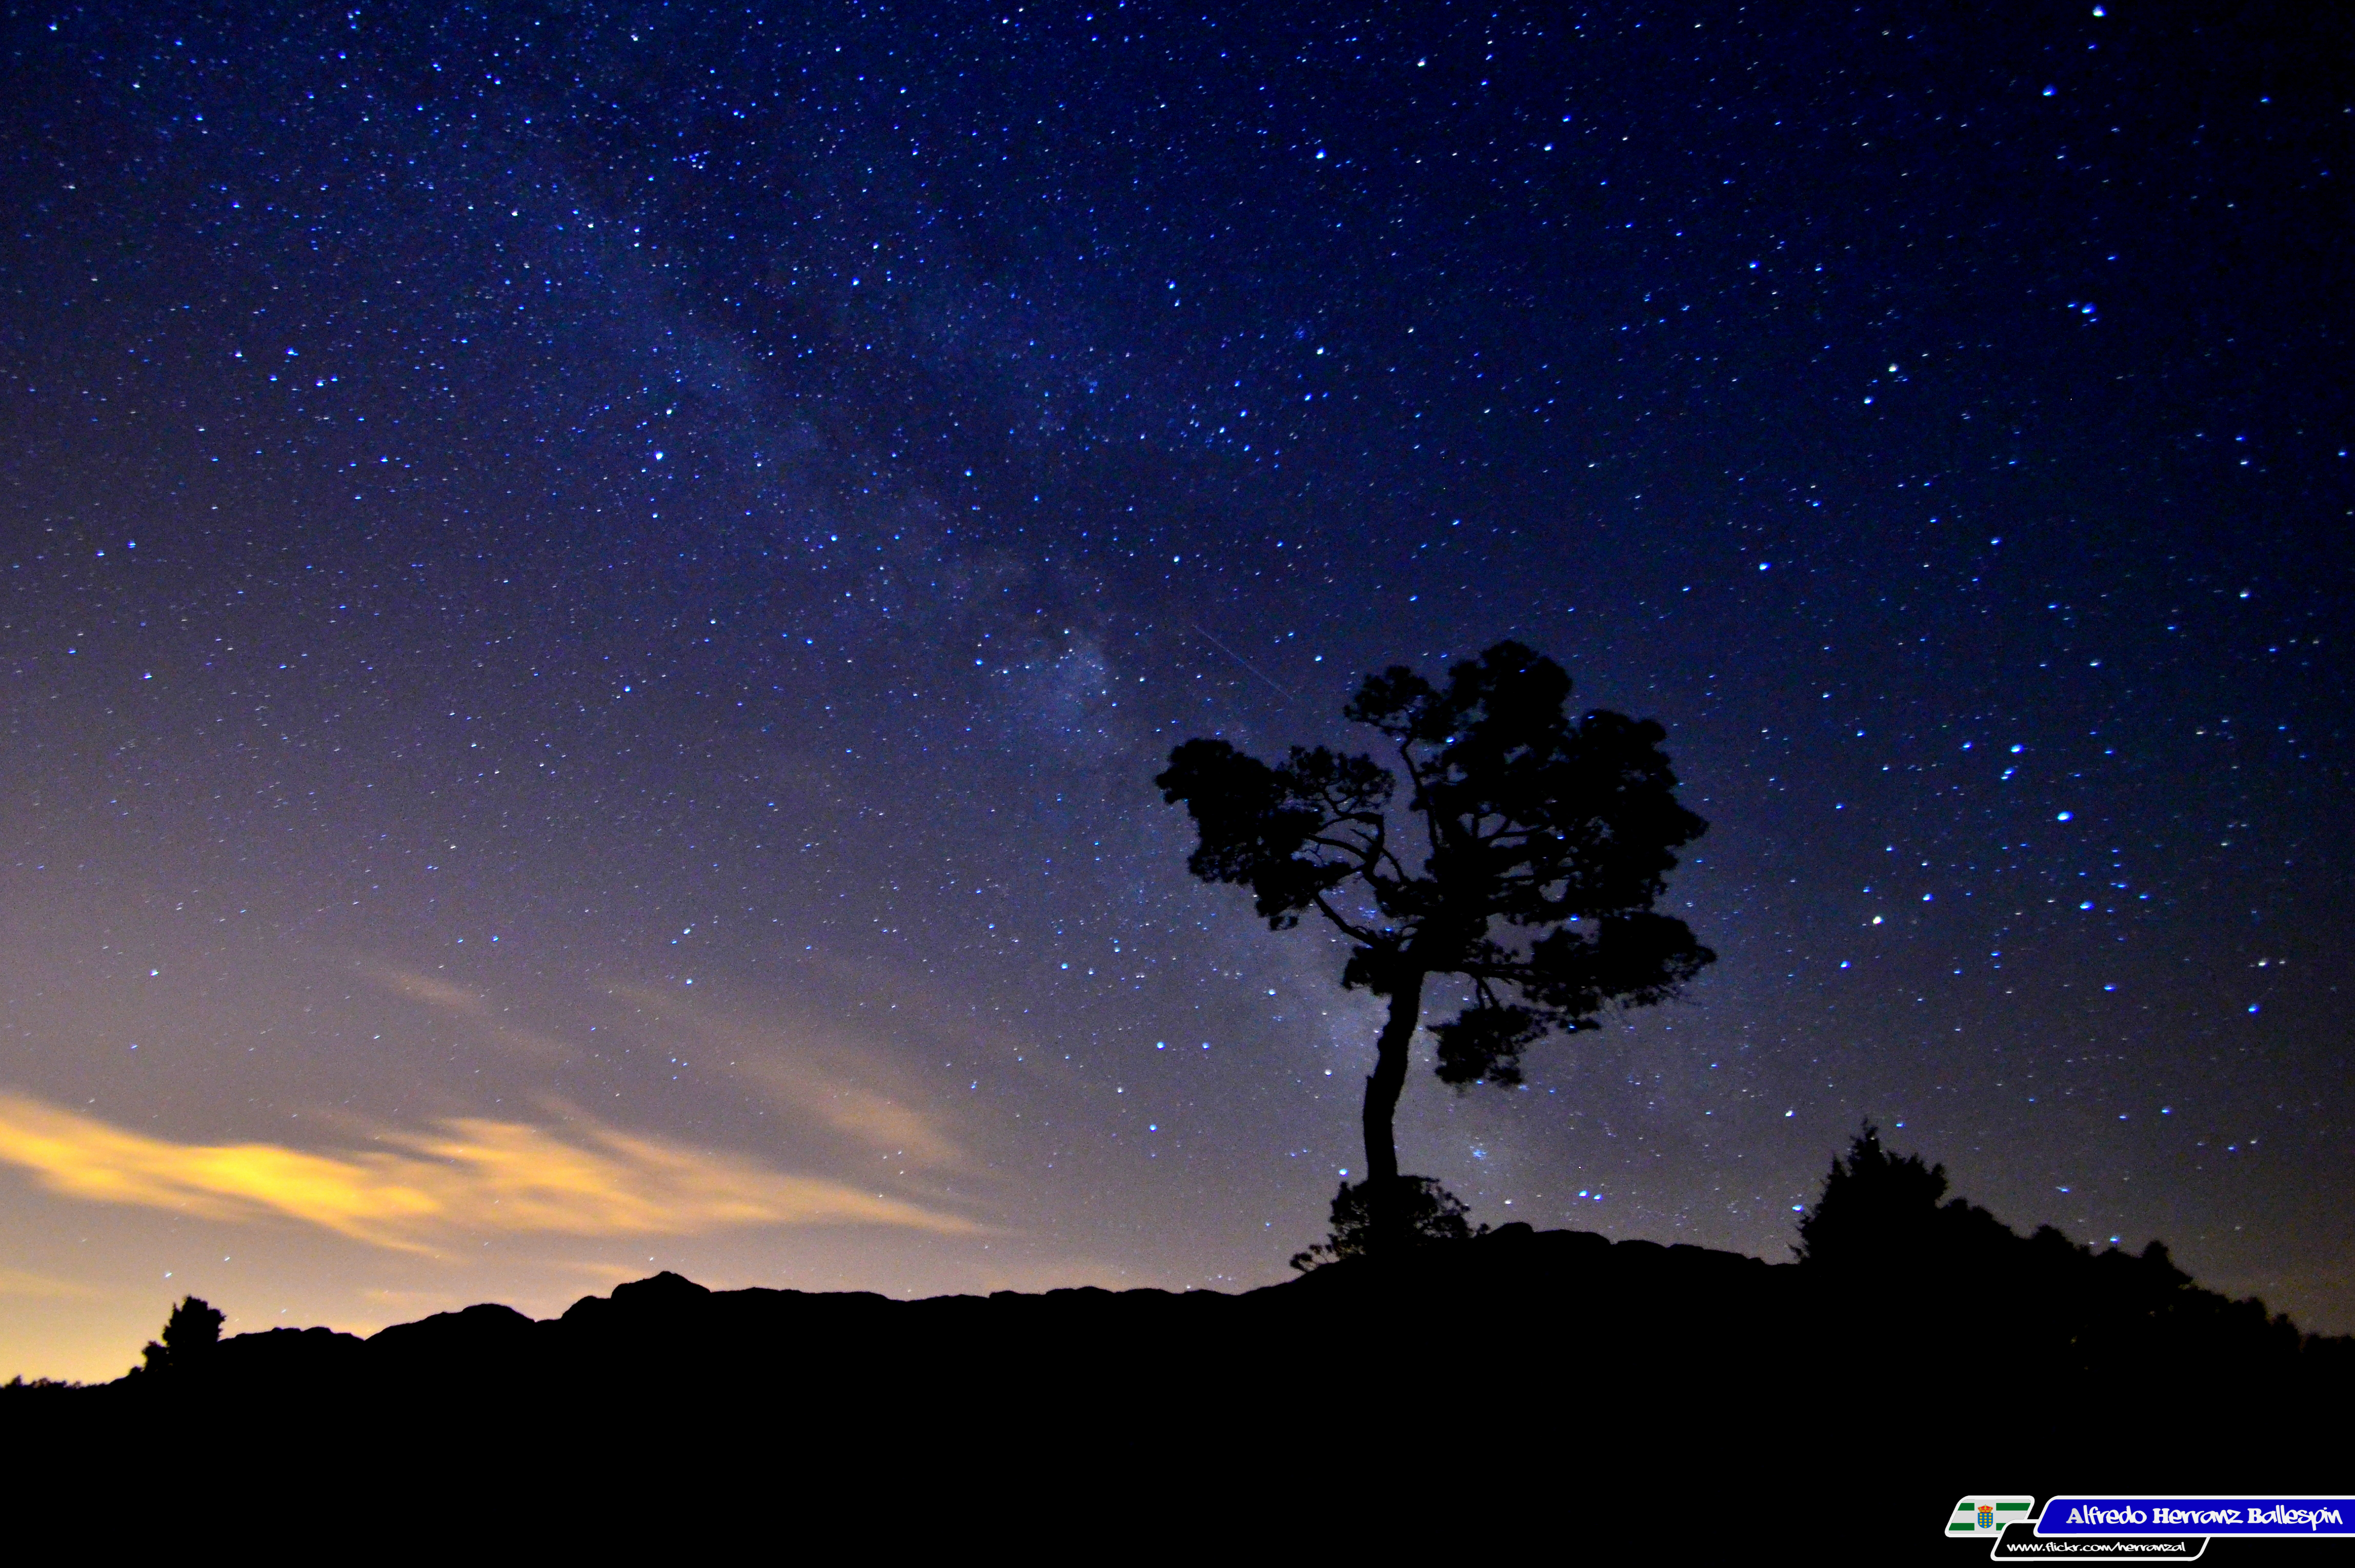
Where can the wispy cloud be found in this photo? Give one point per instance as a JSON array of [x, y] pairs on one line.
[[19, 1282], [812, 1067], [819, 1084], [486, 1018], [464, 1175], [428, 990]]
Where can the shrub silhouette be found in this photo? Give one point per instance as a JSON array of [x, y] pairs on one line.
[[190, 1336], [1882, 1212], [1428, 1212]]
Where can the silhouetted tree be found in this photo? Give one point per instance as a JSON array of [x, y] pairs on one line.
[[189, 1336], [1872, 1200], [1889, 1213], [1917, 1266], [1531, 848]]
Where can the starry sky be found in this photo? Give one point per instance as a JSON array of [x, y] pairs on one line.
[[589, 596]]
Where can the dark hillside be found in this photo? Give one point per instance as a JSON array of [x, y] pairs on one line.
[[1918, 1349], [1651, 1369]]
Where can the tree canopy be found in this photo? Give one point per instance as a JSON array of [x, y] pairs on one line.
[[1526, 858]]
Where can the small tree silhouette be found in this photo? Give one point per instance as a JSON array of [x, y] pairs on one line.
[[1890, 1213], [1872, 1200], [1544, 844], [189, 1336]]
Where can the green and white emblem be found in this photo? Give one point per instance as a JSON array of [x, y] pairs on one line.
[[1988, 1515]]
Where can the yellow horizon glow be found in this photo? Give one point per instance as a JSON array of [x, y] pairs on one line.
[[468, 1174]]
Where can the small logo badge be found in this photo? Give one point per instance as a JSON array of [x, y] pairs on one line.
[[1988, 1515]]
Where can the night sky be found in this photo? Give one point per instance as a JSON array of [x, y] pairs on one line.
[[590, 597]]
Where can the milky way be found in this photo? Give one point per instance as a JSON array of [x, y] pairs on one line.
[[590, 597]]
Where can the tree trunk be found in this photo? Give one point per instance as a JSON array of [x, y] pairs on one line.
[[1382, 1087]]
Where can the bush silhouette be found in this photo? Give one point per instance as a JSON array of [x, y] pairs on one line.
[[1428, 1214], [190, 1336], [1882, 1210]]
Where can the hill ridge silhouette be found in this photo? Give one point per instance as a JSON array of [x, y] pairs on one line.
[[2085, 1312], [1917, 1347]]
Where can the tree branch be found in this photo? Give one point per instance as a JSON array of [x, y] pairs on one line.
[[1355, 933]]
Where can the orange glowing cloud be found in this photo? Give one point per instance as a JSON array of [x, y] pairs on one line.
[[467, 1175]]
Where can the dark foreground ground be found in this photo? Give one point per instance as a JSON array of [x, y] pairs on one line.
[[1546, 1381]]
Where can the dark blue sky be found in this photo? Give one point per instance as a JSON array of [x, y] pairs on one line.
[[513, 511]]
